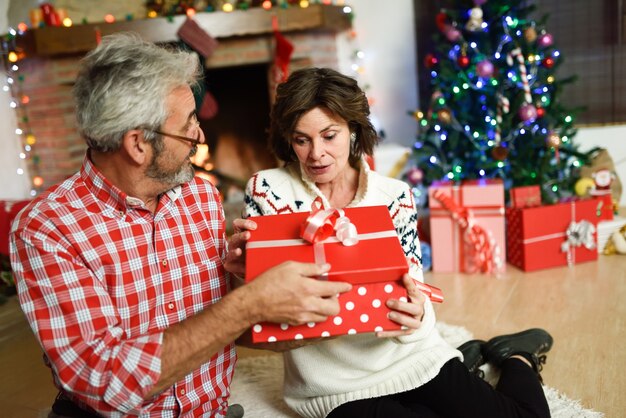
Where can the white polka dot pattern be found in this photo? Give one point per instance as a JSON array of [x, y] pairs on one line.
[[363, 309]]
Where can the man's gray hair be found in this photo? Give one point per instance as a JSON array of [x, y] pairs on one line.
[[123, 84]]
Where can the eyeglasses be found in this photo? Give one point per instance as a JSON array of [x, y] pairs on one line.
[[195, 125]]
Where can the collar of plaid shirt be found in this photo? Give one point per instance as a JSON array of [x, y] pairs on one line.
[[101, 278]]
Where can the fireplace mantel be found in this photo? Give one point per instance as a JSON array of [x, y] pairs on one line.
[[50, 41]]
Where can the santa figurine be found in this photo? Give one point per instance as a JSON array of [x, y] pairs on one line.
[[603, 179], [475, 21]]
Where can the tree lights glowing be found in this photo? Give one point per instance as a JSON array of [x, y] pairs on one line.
[[495, 109]]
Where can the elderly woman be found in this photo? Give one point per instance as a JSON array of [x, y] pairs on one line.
[[320, 128]]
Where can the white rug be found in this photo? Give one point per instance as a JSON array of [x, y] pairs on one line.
[[257, 385]]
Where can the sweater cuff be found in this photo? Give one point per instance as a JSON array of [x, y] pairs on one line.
[[428, 323]]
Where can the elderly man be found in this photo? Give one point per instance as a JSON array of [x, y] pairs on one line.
[[122, 268]]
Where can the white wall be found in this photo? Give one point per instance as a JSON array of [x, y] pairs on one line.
[[386, 34], [13, 186]]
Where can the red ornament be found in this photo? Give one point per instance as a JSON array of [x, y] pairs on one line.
[[499, 153], [548, 62], [430, 61], [541, 112], [463, 61], [441, 20], [415, 176]]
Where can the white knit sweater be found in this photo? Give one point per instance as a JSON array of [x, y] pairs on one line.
[[322, 376]]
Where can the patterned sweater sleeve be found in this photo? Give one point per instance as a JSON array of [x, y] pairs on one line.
[[404, 215]]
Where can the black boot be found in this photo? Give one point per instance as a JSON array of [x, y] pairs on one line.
[[531, 344], [234, 411], [472, 356]]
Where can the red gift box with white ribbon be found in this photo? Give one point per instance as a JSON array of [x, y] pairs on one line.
[[371, 258], [552, 235], [467, 226], [525, 196]]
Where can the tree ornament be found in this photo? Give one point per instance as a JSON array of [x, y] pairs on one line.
[[553, 140], [541, 112], [436, 95], [415, 176], [527, 112], [530, 34], [545, 40], [603, 179], [519, 57], [548, 62], [484, 68], [499, 153], [442, 21], [430, 61], [463, 61], [583, 186], [452, 33], [475, 21], [445, 116]]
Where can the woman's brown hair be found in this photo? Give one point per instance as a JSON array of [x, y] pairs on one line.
[[309, 88]]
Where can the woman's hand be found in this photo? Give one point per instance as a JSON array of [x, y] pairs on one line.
[[235, 262], [408, 314]]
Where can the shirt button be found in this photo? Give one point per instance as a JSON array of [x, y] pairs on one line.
[[182, 391], [164, 262], [171, 306]]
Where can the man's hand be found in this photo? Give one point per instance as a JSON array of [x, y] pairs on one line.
[[408, 314], [235, 262], [291, 293]]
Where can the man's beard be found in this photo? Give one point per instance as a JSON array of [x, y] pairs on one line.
[[182, 174]]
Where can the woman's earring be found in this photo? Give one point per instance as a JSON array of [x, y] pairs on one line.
[[353, 143]]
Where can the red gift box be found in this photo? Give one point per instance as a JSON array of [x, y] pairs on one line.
[[525, 196], [553, 235], [8, 212], [375, 266], [483, 202], [605, 205]]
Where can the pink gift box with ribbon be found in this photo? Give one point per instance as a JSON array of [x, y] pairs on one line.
[[467, 226], [371, 259]]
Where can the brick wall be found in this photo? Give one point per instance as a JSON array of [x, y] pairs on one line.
[[48, 83]]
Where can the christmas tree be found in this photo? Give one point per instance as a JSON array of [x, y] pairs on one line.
[[494, 110]]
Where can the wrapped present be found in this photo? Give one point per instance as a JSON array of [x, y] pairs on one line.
[[525, 196], [362, 247], [8, 212], [606, 229], [553, 235], [467, 226], [605, 204]]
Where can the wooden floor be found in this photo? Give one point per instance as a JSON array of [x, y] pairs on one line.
[[583, 307]]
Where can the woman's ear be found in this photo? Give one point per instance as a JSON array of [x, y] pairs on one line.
[[135, 146]]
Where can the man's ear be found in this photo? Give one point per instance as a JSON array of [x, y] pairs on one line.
[[136, 147]]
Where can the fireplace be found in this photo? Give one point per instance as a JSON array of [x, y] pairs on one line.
[[238, 75]]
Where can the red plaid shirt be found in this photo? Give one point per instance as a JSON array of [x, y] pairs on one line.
[[100, 278]]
